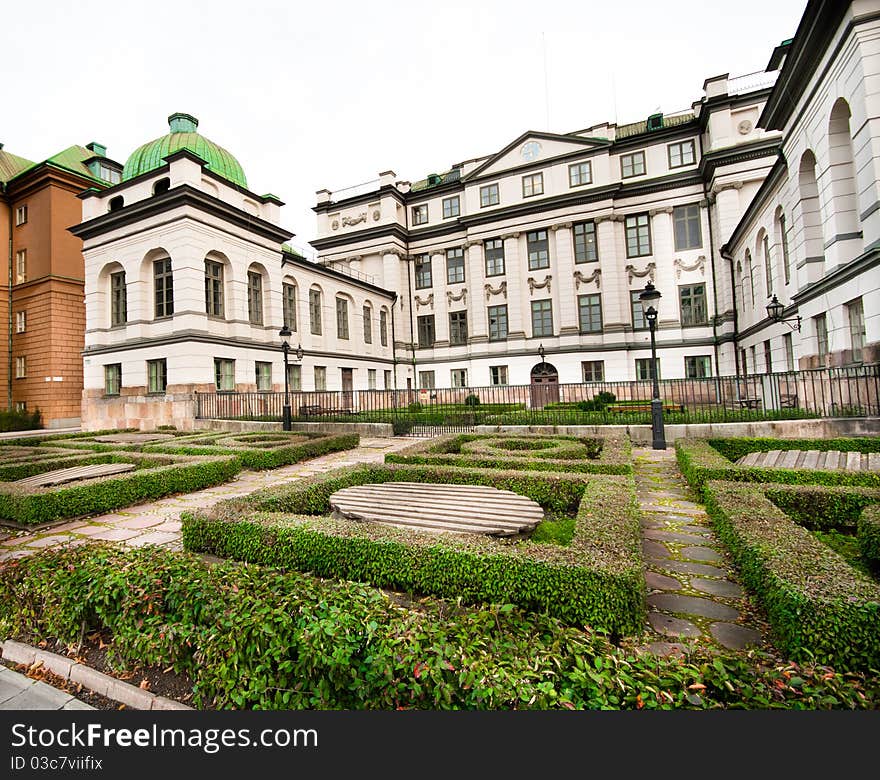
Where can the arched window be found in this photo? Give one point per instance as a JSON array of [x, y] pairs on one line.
[[341, 317], [163, 287], [383, 327], [255, 277], [763, 246], [809, 208], [215, 298], [114, 204], [368, 323], [751, 274], [288, 302], [782, 241], [738, 281], [162, 186], [844, 192], [315, 319], [113, 276]]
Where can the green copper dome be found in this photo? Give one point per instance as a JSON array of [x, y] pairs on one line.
[[183, 135]]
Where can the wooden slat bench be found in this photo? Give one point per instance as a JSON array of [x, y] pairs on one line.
[[439, 508], [61, 476], [821, 460]]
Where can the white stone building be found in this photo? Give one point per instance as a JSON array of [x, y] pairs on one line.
[[188, 283]]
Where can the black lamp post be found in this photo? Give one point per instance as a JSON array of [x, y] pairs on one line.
[[774, 312], [649, 296], [285, 348]]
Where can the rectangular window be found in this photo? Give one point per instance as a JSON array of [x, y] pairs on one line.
[[255, 298], [489, 195], [368, 325], [497, 375], [638, 312], [427, 380], [454, 265], [383, 328], [789, 351], [681, 154], [112, 378], [459, 377], [423, 271], [638, 235], [692, 299], [157, 375], [371, 379], [163, 284], [315, 319], [21, 367], [426, 331], [768, 358], [533, 184], [118, 299], [494, 249], [643, 368], [542, 318], [632, 165], [584, 234], [224, 374], [294, 377], [21, 406], [744, 362], [855, 314], [213, 288], [387, 380], [698, 366], [590, 313], [320, 377], [458, 330], [288, 305], [579, 174], [21, 215], [538, 249], [420, 214], [820, 325], [264, 376], [754, 357], [341, 318], [451, 207], [686, 225], [786, 260], [497, 323], [21, 266], [593, 370], [20, 321]]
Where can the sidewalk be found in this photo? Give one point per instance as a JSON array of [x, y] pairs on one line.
[[18, 692]]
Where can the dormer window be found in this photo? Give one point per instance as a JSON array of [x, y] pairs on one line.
[[109, 174]]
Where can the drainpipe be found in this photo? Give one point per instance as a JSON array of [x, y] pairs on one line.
[[9, 317], [393, 351], [412, 342], [706, 193], [729, 259]]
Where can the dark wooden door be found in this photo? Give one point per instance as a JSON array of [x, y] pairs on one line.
[[545, 385]]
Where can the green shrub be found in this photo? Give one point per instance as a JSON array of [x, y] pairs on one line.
[[254, 637], [472, 400], [17, 420], [868, 531], [821, 508], [819, 607], [415, 406], [596, 580], [701, 460]]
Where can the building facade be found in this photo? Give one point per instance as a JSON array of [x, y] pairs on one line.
[[189, 281], [42, 311]]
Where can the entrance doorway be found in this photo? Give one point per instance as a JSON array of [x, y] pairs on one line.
[[545, 385], [347, 388]]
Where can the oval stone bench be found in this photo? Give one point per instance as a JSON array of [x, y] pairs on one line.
[[472, 509], [821, 460]]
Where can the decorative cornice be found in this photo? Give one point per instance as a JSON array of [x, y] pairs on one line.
[[393, 250], [533, 285], [731, 185], [699, 264], [580, 279], [660, 210], [462, 295], [560, 226], [472, 242], [505, 236], [501, 289], [649, 272], [429, 301]]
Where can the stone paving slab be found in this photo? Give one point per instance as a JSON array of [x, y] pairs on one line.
[[661, 581], [724, 588], [735, 637], [701, 554], [18, 692], [692, 605], [672, 626]]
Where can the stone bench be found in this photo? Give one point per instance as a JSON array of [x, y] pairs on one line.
[[60, 476]]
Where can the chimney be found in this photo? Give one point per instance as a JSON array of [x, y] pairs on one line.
[[182, 123], [99, 150]]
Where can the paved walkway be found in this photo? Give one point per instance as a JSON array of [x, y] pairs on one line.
[[693, 596], [158, 522], [18, 692]]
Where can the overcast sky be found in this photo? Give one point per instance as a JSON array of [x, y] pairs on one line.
[[327, 94]]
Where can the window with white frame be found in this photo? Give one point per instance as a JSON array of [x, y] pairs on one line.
[[497, 375], [213, 288], [21, 215], [387, 374], [820, 326], [21, 367], [698, 366], [294, 376], [341, 318], [593, 370], [320, 377], [263, 371], [643, 368], [459, 377], [118, 299], [163, 288], [288, 305], [427, 380], [157, 376], [855, 314], [112, 379], [580, 174], [255, 297], [371, 379], [21, 266], [224, 374], [20, 321], [788, 346], [315, 318], [692, 302]]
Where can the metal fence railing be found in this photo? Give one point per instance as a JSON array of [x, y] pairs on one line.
[[831, 392]]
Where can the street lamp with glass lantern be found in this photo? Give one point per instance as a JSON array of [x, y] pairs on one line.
[[650, 296], [285, 335]]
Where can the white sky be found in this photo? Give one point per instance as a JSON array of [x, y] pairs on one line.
[[327, 94]]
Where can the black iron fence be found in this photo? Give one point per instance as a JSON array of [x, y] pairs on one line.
[[833, 392]]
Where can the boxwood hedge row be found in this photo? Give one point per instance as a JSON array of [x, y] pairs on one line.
[[820, 608], [701, 460], [614, 457], [597, 580], [868, 532], [822, 508]]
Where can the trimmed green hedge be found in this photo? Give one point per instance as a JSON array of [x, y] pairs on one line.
[[820, 608], [30, 506], [615, 456], [701, 460], [22, 469], [868, 532], [821, 508], [597, 580], [254, 637]]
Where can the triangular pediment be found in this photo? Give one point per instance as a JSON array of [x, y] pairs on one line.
[[533, 146]]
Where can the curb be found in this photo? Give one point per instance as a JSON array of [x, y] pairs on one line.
[[97, 682]]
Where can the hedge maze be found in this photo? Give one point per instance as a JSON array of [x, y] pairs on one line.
[[54, 477]]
